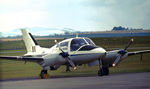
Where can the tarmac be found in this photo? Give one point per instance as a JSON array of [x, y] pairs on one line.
[[113, 81]]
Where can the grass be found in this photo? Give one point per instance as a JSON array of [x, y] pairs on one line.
[[17, 69]]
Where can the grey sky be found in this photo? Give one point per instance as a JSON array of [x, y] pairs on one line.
[[83, 15], [128, 13]]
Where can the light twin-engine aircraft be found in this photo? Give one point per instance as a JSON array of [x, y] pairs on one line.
[[71, 52]]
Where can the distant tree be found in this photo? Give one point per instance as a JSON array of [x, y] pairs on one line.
[[120, 28]]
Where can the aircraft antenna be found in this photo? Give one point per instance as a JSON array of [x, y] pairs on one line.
[[77, 35]]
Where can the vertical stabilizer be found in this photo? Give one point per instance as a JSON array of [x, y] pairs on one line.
[[29, 41]]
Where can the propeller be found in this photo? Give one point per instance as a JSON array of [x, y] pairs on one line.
[[122, 53], [66, 56]]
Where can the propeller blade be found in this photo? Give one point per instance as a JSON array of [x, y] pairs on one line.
[[116, 61], [129, 43], [71, 63], [58, 46]]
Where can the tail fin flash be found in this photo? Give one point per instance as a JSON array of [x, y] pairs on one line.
[[29, 41]]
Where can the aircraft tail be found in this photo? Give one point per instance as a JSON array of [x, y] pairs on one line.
[[29, 41]]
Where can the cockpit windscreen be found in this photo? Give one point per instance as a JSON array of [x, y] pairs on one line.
[[77, 43]]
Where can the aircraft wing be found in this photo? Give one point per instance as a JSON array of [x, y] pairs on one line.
[[138, 52], [22, 58]]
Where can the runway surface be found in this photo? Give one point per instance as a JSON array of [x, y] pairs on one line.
[[115, 81]]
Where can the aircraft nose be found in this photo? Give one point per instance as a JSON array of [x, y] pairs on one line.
[[99, 50]]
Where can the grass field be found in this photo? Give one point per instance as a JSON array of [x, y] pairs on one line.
[[17, 69]]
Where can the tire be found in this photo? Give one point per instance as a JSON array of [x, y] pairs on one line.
[[103, 71], [106, 71], [100, 72]]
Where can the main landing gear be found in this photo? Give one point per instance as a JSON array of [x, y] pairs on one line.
[[44, 74], [103, 71]]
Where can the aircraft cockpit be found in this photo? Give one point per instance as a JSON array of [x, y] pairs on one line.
[[78, 44], [81, 44]]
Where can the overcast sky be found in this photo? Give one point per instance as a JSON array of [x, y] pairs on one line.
[[83, 15]]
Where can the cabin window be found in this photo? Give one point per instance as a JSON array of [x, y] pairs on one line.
[[64, 46]]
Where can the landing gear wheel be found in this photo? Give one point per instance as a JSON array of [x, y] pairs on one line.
[[106, 71], [100, 72], [103, 71], [44, 74]]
